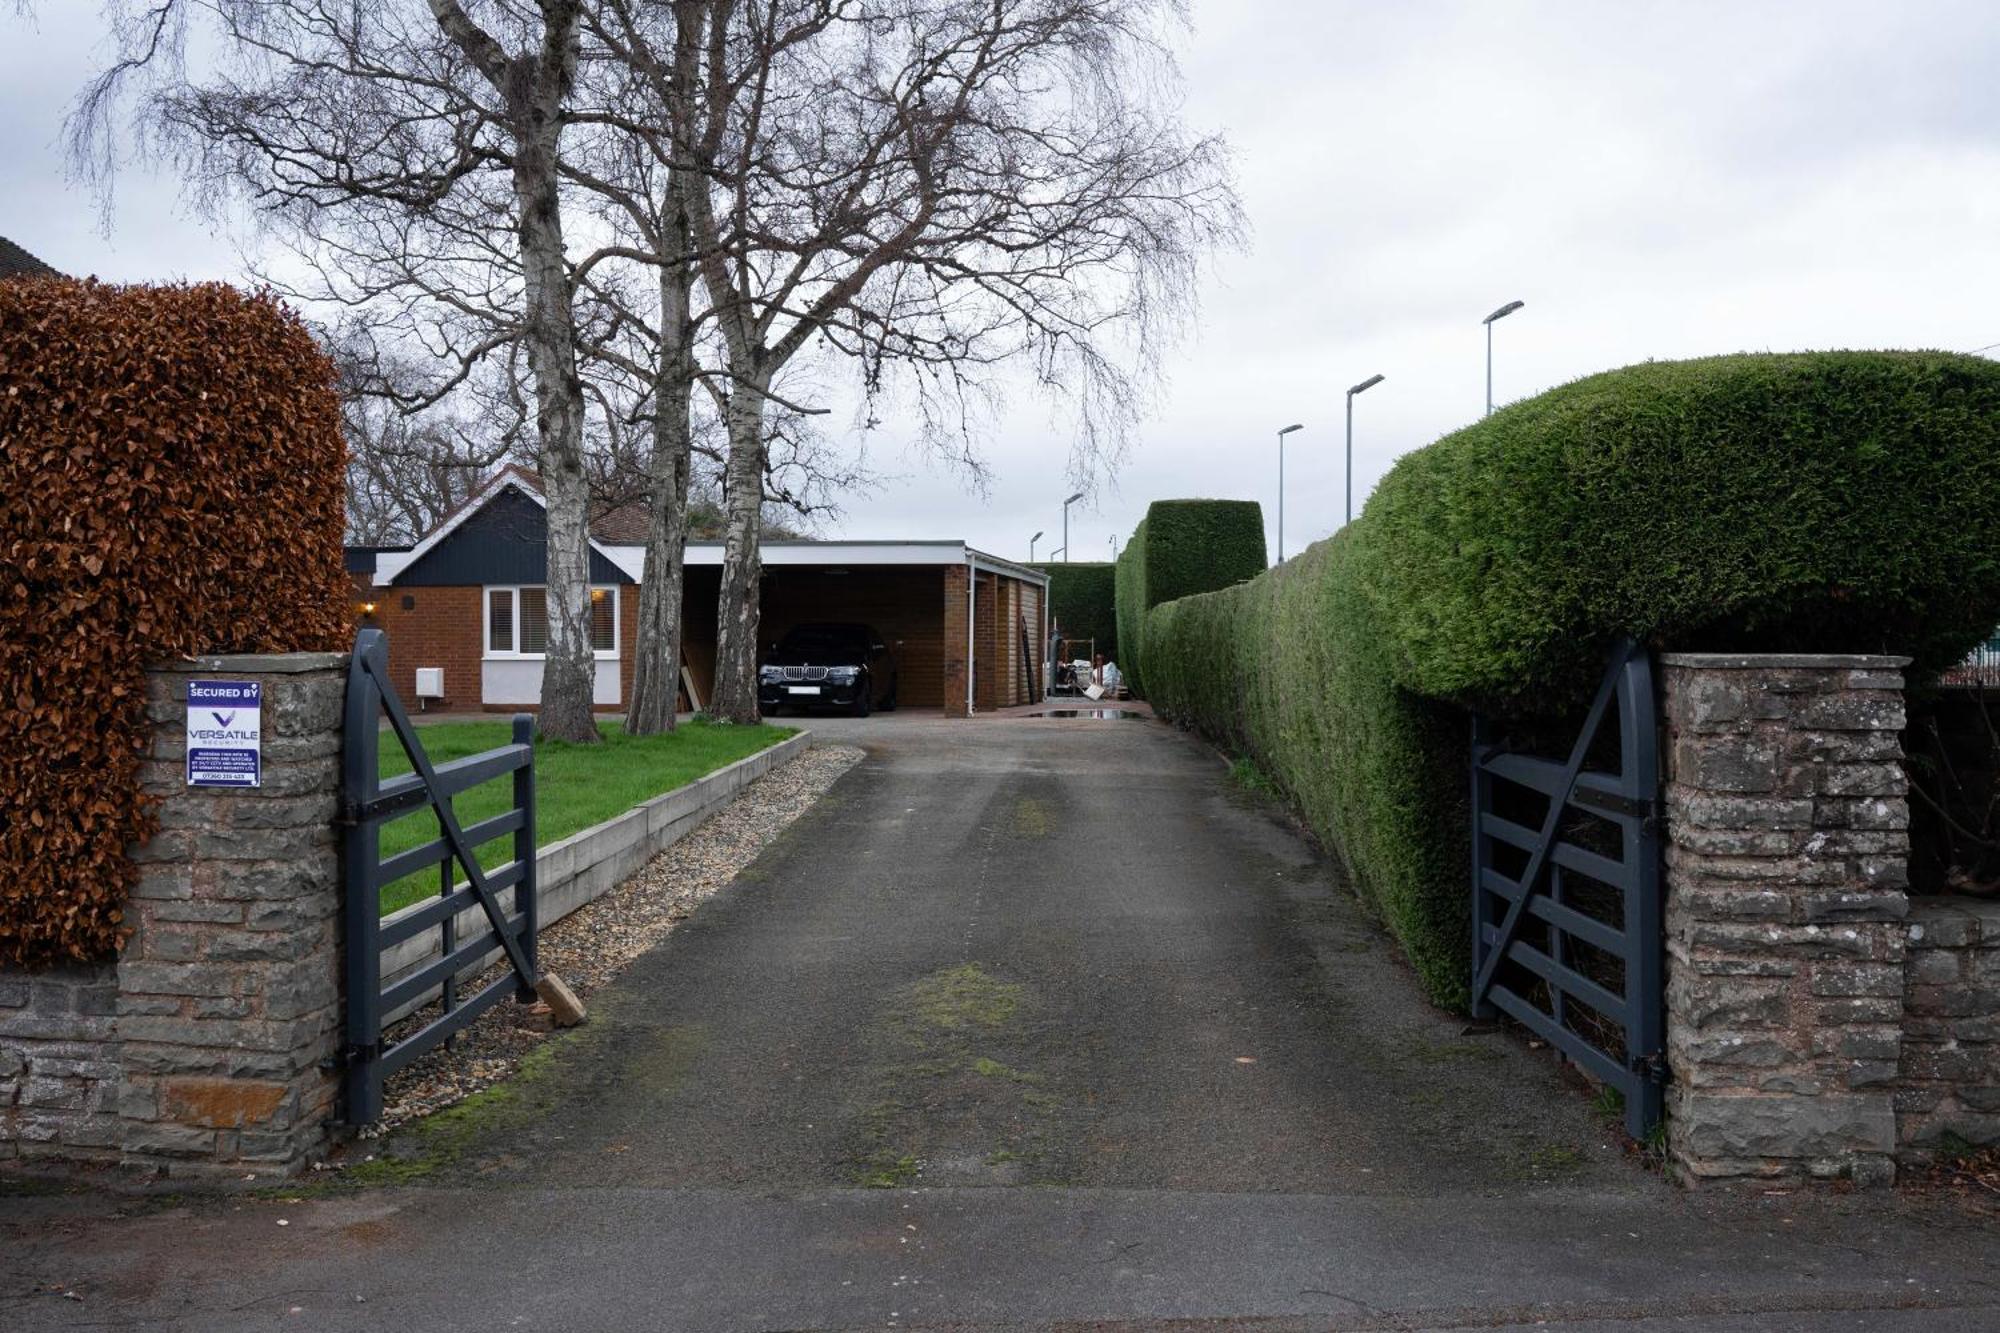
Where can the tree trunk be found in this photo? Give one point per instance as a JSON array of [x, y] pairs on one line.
[[737, 610], [569, 671], [657, 664]]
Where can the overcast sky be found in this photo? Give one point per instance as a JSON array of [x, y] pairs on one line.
[[1655, 181]]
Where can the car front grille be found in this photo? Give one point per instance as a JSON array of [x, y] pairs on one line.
[[804, 673]]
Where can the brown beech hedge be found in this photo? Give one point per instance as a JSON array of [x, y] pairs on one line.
[[170, 485]]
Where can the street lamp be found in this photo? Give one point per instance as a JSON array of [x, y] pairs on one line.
[[1362, 387], [1281, 486], [1031, 547], [1501, 313], [1066, 504]]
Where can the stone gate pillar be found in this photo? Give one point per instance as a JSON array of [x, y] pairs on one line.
[[229, 989], [1787, 852], [204, 1049]]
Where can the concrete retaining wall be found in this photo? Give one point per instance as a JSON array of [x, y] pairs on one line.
[[586, 865]]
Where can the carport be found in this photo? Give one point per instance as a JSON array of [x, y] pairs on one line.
[[967, 628]]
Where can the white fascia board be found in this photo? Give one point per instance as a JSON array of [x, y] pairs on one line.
[[839, 555], [631, 560], [387, 566], [993, 564], [830, 555]]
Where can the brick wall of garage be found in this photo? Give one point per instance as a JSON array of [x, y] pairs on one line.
[[954, 641], [985, 666], [1001, 671]]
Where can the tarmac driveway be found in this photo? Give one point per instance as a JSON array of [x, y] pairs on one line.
[[1030, 1023]]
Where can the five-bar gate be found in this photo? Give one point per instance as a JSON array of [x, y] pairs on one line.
[[1566, 898], [369, 802]]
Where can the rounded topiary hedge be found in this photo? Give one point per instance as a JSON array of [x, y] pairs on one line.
[[1180, 548], [1829, 501], [171, 469], [1083, 600]]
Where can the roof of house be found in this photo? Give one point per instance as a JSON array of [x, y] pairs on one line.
[[619, 525], [18, 263], [618, 534]]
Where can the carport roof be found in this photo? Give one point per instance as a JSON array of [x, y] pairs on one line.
[[842, 555]]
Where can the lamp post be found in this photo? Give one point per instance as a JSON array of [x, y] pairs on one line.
[[1297, 425], [1066, 504], [1031, 547], [1362, 387], [1501, 313]]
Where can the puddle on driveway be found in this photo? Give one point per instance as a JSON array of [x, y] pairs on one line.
[[1098, 714]]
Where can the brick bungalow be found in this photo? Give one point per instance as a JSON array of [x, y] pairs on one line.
[[464, 609]]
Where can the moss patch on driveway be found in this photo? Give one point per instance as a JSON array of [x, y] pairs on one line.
[[960, 1087]]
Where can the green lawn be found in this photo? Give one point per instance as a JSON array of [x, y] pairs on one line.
[[575, 785]]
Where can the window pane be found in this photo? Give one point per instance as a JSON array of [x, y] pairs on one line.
[[534, 620], [500, 620], [603, 623]]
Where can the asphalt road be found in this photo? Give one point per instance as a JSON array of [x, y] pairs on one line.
[[1030, 1024]]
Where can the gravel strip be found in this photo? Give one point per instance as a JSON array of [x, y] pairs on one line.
[[593, 944]]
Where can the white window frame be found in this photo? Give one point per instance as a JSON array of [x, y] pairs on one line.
[[513, 591]]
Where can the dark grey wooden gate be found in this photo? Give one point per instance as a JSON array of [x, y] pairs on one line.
[[1566, 898], [367, 803]]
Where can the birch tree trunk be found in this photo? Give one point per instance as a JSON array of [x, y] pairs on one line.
[[737, 608], [569, 671], [657, 661]]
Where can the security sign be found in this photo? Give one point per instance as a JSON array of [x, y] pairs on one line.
[[224, 727]]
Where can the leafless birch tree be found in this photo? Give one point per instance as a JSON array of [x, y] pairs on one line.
[[934, 187], [327, 115]]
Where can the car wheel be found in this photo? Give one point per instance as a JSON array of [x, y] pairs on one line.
[[863, 688]]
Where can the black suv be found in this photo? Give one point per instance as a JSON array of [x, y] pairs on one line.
[[844, 666]]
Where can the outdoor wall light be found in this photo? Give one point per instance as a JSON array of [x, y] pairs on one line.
[[367, 609]]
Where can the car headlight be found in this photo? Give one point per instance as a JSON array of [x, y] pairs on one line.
[[845, 675], [770, 673]]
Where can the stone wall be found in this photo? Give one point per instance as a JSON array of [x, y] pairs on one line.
[[206, 1048], [59, 1077], [1948, 1090], [1786, 857]]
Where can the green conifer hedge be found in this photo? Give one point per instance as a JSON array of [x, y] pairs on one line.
[[1182, 547], [1845, 501], [1083, 598]]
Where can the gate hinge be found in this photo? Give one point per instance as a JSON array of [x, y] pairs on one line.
[[1652, 1068], [1652, 817], [347, 1057]]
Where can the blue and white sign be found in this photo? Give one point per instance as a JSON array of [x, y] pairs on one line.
[[225, 725]]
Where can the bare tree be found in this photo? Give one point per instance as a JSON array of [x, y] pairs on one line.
[[932, 187], [372, 129], [406, 471]]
